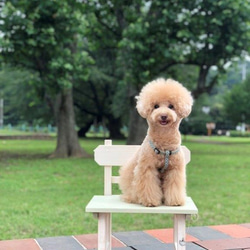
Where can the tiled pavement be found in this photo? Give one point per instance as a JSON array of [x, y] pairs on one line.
[[222, 237]]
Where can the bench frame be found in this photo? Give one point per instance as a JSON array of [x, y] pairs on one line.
[[102, 206]]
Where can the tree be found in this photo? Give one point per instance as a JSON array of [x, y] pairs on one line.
[[146, 39], [95, 97], [43, 36], [105, 91], [217, 32], [167, 33], [236, 102]]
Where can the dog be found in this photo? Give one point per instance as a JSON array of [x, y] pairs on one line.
[[156, 174]]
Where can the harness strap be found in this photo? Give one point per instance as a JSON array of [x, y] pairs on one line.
[[167, 153]]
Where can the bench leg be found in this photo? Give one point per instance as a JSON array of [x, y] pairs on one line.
[[179, 231], [104, 231]]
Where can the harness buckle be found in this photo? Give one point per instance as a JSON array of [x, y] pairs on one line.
[[157, 151]]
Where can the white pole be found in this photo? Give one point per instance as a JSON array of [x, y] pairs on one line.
[[1, 112], [244, 71]]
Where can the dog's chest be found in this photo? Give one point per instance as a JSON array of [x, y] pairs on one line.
[[161, 162], [161, 176]]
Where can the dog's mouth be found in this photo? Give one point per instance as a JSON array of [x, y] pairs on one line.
[[164, 121]]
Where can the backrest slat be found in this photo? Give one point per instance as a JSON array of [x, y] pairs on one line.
[[118, 155], [115, 155]]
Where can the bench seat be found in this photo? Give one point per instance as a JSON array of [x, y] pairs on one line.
[[114, 204]]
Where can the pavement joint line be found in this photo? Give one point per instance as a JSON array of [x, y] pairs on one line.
[[78, 242]]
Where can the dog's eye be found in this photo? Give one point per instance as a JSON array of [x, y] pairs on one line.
[[156, 106], [170, 106]]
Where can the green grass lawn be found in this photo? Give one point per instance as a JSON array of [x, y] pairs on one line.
[[42, 197]]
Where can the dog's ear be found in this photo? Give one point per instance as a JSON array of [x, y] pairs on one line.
[[185, 110], [141, 107], [185, 105]]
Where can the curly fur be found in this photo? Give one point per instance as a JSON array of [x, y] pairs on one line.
[[164, 103]]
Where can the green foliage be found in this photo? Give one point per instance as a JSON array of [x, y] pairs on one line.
[[44, 36], [109, 50], [186, 74], [104, 96], [239, 134], [21, 104], [215, 32], [196, 122], [201, 33], [236, 102]]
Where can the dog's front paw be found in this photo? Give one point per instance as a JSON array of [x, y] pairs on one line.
[[180, 201], [150, 202], [174, 203]]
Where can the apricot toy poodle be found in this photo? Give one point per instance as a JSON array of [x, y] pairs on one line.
[[156, 174]]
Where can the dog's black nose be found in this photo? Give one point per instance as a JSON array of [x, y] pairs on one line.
[[164, 118]]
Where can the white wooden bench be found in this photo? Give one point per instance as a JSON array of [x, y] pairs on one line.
[[103, 206]]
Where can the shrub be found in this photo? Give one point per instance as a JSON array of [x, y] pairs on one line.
[[234, 133]]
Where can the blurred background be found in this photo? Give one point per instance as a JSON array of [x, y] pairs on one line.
[[76, 65]]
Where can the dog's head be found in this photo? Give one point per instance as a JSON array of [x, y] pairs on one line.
[[164, 102]]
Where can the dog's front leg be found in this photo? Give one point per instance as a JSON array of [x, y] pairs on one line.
[[174, 187], [147, 186]]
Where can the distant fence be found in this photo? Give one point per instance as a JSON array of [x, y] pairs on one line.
[[27, 128]]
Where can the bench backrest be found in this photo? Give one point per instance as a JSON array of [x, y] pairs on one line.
[[109, 155]]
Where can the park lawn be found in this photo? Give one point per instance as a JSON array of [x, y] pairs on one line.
[[41, 197]]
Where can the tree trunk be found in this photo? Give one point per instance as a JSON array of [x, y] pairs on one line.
[[201, 83], [114, 127], [137, 128], [67, 139], [83, 130]]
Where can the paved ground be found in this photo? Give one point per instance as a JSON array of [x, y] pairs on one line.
[[222, 237]]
